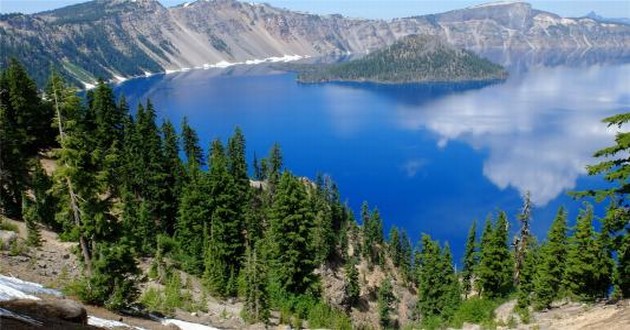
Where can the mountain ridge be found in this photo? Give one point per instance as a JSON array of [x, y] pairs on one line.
[[123, 38]]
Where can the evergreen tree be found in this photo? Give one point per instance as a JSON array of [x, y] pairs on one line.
[[174, 176], [290, 219], [193, 221], [25, 128], [256, 306], [385, 298], [605, 263], [470, 259], [274, 165], [30, 216], [43, 202], [526, 284], [615, 167], [226, 226], [372, 234], [580, 271], [548, 279], [623, 269], [407, 251], [192, 150], [521, 242], [352, 289], [495, 269], [451, 295], [395, 247], [438, 289]]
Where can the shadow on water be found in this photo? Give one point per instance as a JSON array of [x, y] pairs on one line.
[[417, 94]]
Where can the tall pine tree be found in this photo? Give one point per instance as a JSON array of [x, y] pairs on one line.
[[548, 279]]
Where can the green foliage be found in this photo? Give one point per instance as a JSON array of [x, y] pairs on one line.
[[526, 284], [372, 234], [192, 150], [438, 288], [254, 288], [24, 130], [174, 295], [290, 219], [494, 272], [548, 279], [352, 289], [413, 58], [6, 225], [581, 263], [193, 221], [616, 166], [385, 300], [113, 280], [470, 259], [29, 214], [477, 311], [324, 316]]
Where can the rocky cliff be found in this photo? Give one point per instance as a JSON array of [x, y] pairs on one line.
[[120, 38]]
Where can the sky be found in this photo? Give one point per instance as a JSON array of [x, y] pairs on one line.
[[383, 9]]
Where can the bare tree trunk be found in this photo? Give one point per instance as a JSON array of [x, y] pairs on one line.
[[74, 199]]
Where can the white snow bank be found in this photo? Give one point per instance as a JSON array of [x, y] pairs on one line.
[[14, 288], [187, 325], [109, 324]]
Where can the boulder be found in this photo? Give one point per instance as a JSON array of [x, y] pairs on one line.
[[7, 238], [48, 309]]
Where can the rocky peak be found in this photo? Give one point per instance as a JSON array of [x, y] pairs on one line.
[[513, 15]]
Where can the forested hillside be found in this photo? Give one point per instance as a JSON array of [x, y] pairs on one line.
[[264, 236], [411, 59]]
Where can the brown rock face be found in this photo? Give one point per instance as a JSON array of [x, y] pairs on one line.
[[48, 311]]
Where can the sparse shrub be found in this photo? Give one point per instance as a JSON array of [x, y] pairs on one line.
[[475, 310]]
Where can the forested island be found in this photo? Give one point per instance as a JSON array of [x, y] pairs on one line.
[[287, 247], [415, 58]]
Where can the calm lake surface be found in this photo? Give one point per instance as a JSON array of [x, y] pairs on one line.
[[431, 157]]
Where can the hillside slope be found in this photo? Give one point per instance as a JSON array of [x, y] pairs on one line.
[[52, 265], [112, 39]]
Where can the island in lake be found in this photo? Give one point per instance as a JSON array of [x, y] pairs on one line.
[[415, 58]]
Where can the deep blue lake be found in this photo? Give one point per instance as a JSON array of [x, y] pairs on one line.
[[431, 157]]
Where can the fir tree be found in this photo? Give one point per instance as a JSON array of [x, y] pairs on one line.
[[31, 217], [193, 221], [290, 219], [548, 279], [406, 259], [451, 295], [352, 289], [470, 259], [395, 247], [385, 298], [256, 306], [615, 168], [438, 289], [495, 262], [174, 176], [190, 141], [580, 271], [526, 283], [226, 226], [25, 128]]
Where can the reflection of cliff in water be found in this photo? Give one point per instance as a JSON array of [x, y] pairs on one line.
[[517, 61]]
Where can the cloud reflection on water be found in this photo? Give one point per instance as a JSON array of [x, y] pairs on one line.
[[540, 129]]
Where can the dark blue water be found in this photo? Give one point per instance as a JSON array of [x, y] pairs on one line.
[[432, 158]]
